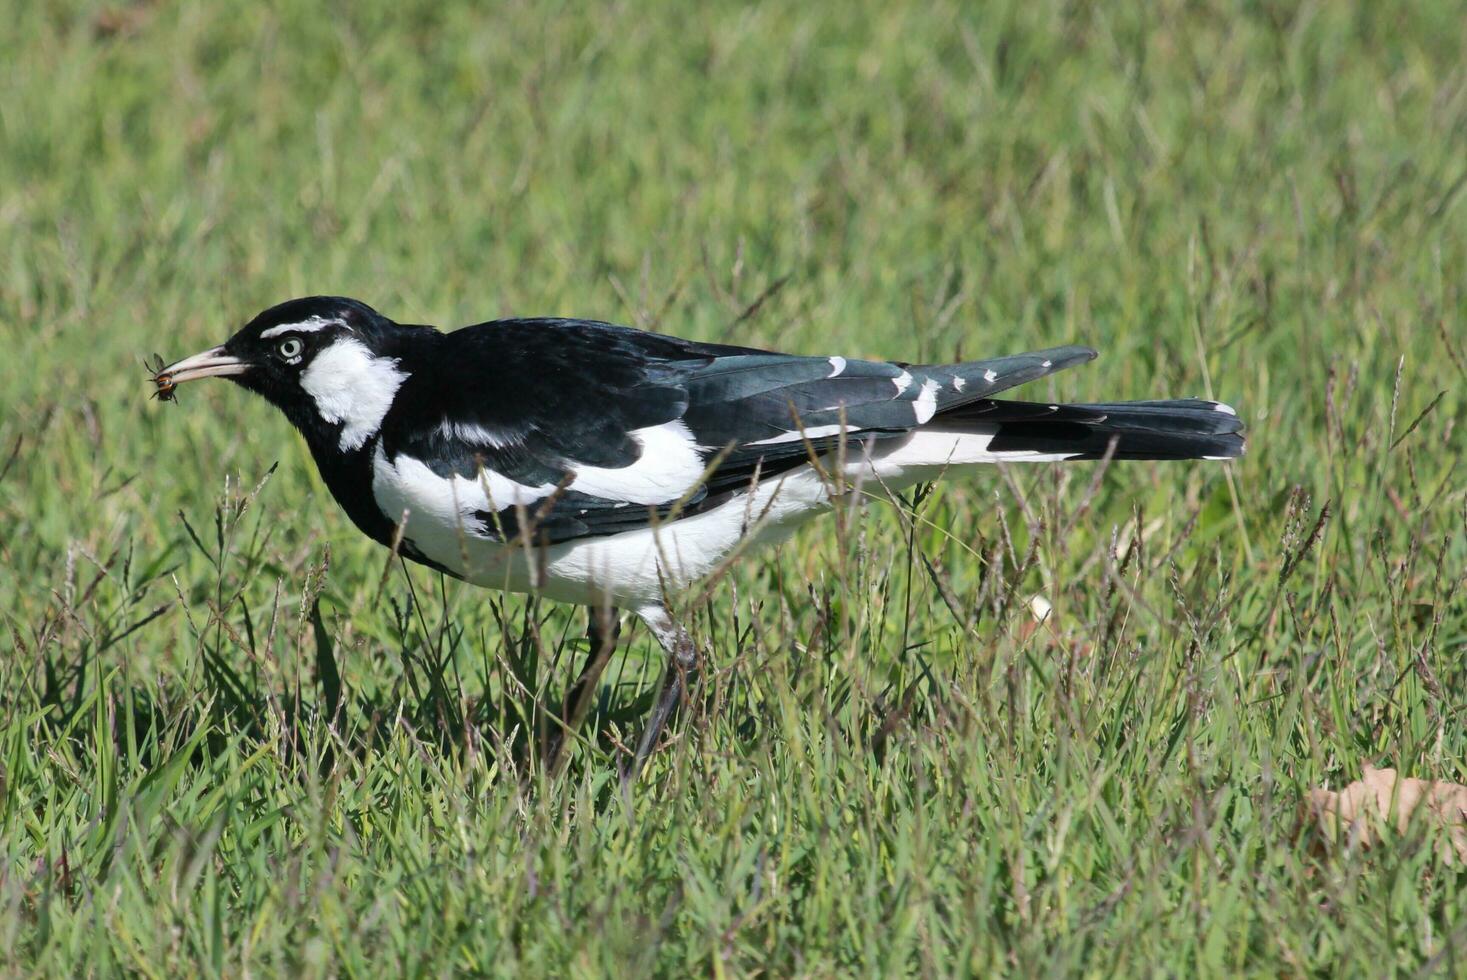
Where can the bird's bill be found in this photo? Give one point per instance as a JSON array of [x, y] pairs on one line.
[[212, 363]]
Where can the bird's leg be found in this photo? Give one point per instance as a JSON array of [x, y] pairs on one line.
[[682, 668], [602, 629]]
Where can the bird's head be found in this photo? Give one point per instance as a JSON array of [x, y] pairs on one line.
[[331, 364]]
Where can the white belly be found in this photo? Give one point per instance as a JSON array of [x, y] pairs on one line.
[[637, 568], [633, 568]]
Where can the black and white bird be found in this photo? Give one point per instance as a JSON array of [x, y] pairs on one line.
[[610, 467]]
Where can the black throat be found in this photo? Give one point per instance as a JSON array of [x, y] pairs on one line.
[[348, 475]]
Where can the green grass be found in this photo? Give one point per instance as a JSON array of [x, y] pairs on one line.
[[890, 770]]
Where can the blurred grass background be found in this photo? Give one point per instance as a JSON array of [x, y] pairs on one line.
[[233, 741]]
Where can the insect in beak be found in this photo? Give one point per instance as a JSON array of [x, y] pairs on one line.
[[212, 363], [166, 388]]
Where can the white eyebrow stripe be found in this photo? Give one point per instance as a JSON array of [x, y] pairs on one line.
[[309, 325]]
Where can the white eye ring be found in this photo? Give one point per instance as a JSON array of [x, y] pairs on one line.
[[290, 348]]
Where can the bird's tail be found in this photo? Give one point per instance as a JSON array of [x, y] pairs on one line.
[[1188, 428]]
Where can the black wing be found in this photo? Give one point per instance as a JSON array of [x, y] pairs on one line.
[[554, 400]]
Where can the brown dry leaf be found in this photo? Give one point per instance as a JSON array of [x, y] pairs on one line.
[[1358, 809]]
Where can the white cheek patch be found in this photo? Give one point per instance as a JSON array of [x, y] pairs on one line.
[[308, 325], [352, 386]]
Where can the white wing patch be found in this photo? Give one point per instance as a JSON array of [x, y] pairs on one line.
[[902, 381], [477, 435], [813, 432], [837, 367], [351, 386], [670, 466], [440, 510], [990, 376], [308, 325], [926, 405], [443, 510], [928, 454]]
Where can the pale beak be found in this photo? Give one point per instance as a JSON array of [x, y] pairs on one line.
[[212, 363]]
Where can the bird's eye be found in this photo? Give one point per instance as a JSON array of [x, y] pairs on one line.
[[290, 348]]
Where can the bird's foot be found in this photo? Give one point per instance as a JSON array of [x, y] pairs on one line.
[[601, 637], [682, 671]]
